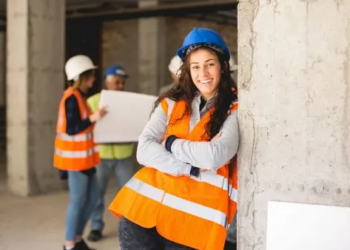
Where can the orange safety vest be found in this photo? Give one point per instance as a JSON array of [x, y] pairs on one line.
[[74, 152], [191, 211]]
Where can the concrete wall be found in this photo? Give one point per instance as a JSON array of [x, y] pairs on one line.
[[35, 80], [2, 69], [294, 108], [120, 46], [120, 39]]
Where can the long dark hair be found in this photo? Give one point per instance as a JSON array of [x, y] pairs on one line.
[[82, 77], [186, 90]]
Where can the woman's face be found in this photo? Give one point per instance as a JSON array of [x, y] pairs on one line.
[[89, 81], [205, 71]]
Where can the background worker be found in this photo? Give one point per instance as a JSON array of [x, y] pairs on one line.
[[185, 196], [115, 158], [174, 68], [75, 154]]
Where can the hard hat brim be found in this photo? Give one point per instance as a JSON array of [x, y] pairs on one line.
[[90, 68], [181, 52]]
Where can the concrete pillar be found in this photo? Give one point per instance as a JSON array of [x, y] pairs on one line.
[[294, 113], [2, 69], [35, 81], [152, 52]]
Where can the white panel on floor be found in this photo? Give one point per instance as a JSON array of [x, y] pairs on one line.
[[127, 115], [307, 227]]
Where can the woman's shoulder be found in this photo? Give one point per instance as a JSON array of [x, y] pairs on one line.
[[233, 107], [167, 105]]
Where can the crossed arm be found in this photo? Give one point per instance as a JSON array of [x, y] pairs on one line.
[[185, 153]]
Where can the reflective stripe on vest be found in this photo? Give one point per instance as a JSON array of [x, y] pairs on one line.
[[83, 137], [75, 154], [177, 203], [191, 211], [218, 181], [233, 193], [145, 189]]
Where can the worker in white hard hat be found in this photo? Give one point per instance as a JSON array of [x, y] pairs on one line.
[[115, 157], [75, 155], [174, 68]]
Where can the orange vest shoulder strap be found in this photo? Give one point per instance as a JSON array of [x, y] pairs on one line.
[[233, 108], [164, 105]]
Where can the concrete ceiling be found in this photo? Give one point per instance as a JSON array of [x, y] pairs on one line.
[[105, 10]]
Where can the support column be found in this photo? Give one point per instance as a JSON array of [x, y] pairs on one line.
[[2, 69], [35, 81], [152, 54], [294, 92]]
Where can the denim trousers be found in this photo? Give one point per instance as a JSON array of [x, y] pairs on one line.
[[123, 170], [83, 192], [134, 237]]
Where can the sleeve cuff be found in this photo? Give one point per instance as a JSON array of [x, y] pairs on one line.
[[169, 142], [195, 171]]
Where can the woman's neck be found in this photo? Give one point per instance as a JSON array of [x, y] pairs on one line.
[[83, 89], [207, 97]]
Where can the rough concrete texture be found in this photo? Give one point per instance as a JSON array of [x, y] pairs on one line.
[[294, 108], [38, 223], [35, 81], [120, 44], [151, 47]]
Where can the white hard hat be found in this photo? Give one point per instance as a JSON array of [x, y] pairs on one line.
[[233, 65], [174, 65], [77, 65]]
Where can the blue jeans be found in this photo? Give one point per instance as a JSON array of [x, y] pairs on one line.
[[124, 170], [132, 237], [83, 193]]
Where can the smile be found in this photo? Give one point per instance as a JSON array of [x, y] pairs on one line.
[[205, 81]]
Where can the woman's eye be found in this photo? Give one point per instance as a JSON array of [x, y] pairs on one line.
[[195, 67]]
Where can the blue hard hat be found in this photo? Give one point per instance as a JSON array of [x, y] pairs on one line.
[[204, 36], [116, 70]]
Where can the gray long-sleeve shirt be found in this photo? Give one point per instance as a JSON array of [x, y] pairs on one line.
[[185, 153]]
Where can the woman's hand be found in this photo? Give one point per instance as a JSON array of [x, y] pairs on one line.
[[98, 114]]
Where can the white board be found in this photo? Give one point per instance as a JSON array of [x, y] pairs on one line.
[[307, 227], [127, 115]]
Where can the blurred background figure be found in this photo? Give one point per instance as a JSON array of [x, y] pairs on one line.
[[174, 68], [115, 158], [75, 154]]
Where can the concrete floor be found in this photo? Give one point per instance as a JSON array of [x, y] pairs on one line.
[[38, 223]]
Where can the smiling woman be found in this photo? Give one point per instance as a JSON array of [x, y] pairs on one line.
[[205, 72], [186, 196]]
